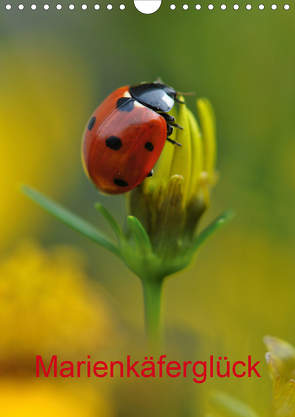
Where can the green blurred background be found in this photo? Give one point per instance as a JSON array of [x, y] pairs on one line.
[[56, 67]]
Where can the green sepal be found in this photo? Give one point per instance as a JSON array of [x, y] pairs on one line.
[[70, 219], [110, 220], [217, 224], [141, 239]]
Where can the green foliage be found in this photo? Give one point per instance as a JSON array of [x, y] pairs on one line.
[[136, 249], [229, 406]]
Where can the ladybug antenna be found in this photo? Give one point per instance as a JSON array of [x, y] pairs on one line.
[[182, 94], [185, 94]]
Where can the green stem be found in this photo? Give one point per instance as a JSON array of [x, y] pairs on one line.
[[152, 291]]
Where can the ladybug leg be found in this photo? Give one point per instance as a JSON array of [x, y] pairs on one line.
[[173, 142], [176, 125], [169, 129], [167, 117], [169, 132], [170, 121]]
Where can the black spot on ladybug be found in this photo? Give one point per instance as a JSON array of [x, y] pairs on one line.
[[120, 183], [125, 104], [150, 174], [114, 143], [91, 123], [149, 146]]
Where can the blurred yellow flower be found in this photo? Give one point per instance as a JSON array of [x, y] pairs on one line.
[[281, 367], [31, 398], [47, 307]]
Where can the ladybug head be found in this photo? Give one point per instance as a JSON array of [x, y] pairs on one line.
[[169, 90]]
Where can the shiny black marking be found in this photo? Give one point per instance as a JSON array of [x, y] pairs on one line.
[[91, 123], [169, 130], [149, 146], [167, 117], [120, 183], [125, 104], [157, 96], [113, 142], [150, 174]]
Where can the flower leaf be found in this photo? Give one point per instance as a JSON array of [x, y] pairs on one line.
[[141, 239], [70, 219], [111, 221], [217, 224], [230, 406]]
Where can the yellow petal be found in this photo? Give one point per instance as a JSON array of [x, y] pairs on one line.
[[163, 166], [168, 211], [208, 128], [275, 368], [181, 164], [283, 404], [197, 165], [283, 350]]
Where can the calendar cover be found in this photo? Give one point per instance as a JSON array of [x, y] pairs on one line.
[[147, 208]]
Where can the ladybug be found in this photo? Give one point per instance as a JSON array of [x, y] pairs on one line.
[[126, 135]]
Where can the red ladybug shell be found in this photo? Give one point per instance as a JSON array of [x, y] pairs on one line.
[[122, 144]]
